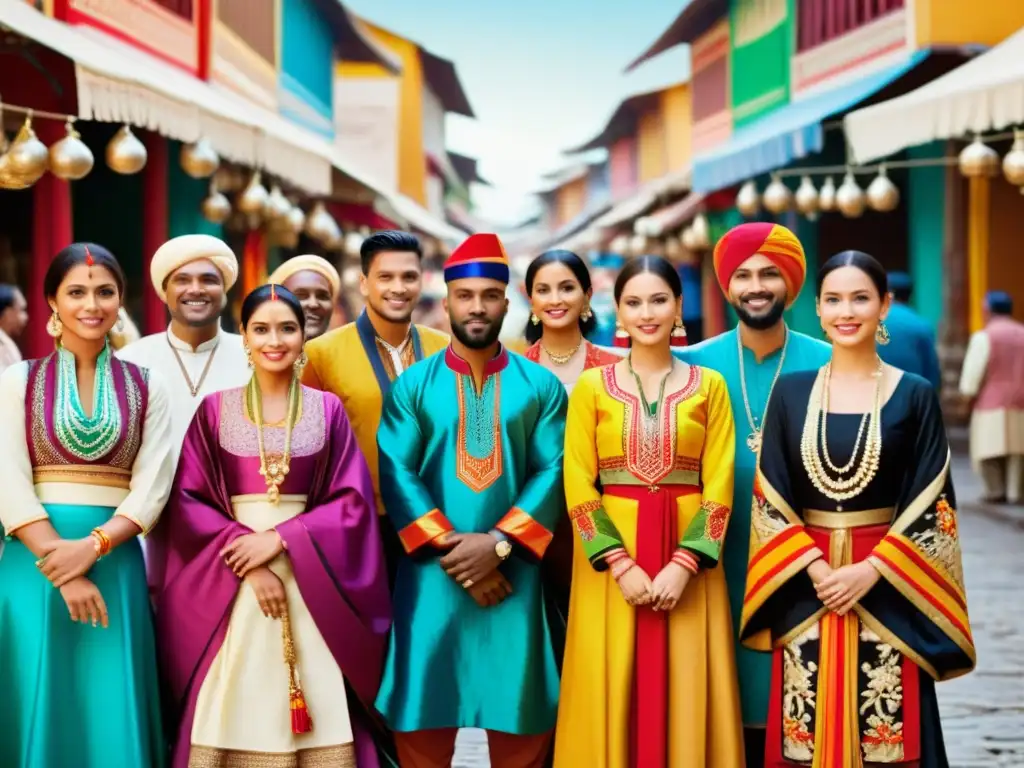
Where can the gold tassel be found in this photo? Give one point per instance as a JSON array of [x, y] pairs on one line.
[[302, 721]]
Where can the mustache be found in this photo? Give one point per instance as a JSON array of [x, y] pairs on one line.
[[762, 295]]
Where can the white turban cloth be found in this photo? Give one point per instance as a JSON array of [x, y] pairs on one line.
[[179, 251], [307, 262]]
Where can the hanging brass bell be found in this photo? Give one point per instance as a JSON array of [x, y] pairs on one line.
[[882, 194], [70, 158], [199, 160], [27, 155], [850, 198], [806, 197], [254, 197], [747, 200], [827, 195]]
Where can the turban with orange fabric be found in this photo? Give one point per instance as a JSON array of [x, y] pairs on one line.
[[771, 240]]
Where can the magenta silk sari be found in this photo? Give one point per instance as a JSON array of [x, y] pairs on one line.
[[336, 557]]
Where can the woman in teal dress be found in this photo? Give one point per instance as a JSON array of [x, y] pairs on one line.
[[86, 468]]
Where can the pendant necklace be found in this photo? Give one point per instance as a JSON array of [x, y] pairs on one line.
[[754, 438], [273, 467], [193, 388]]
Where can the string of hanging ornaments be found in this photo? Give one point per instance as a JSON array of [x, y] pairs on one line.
[[26, 159], [976, 160]]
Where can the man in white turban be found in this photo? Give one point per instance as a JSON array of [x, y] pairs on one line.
[[315, 282], [194, 356]]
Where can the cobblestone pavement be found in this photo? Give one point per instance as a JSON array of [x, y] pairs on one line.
[[982, 713]]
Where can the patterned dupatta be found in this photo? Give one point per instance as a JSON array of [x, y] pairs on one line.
[[846, 690]]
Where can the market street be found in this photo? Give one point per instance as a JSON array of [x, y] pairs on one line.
[[982, 713]]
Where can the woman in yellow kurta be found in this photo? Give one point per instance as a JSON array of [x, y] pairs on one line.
[[649, 679]]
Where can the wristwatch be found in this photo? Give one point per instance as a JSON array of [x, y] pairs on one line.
[[502, 548]]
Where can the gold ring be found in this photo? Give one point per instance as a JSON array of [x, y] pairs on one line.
[[467, 584]]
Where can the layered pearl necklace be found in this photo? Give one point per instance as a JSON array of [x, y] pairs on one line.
[[830, 480]]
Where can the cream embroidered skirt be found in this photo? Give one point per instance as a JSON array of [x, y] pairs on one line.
[[243, 715]]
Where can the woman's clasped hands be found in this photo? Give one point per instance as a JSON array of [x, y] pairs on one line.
[[840, 589], [661, 594]]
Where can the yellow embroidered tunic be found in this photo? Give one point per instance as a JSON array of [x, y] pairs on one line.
[[614, 459]]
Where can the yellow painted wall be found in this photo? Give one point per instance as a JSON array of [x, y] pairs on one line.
[[677, 118], [1003, 235], [650, 146], [412, 163], [950, 22], [570, 199]]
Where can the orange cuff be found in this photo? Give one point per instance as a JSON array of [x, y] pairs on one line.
[[424, 530], [526, 531]]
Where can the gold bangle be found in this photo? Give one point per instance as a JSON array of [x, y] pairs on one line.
[[103, 541]]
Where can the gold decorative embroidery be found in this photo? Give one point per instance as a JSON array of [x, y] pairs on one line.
[[939, 541], [716, 517], [340, 756], [478, 473], [799, 689], [767, 522], [882, 740], [583, 517]]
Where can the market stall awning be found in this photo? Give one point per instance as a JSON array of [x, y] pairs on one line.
[[986, 93], [789, 133], [645, 198], [675, 215], [118, 83]]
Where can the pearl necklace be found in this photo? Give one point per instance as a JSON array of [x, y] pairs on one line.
[[826, 477]]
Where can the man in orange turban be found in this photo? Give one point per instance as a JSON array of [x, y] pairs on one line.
[[761, 269]]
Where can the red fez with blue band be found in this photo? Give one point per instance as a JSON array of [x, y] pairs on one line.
[[480, 255]]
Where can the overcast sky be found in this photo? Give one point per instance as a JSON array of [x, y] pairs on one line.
[[541, 75]]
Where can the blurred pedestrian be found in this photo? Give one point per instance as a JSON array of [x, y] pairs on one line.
[[992, 382], [907, 339], [13, 319]]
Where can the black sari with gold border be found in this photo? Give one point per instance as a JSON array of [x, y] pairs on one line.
[[857, 690]]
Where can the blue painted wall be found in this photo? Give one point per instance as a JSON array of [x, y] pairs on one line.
[[306, 79]]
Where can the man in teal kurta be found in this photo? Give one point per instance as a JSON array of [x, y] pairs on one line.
[[761, 269], [471, 445]]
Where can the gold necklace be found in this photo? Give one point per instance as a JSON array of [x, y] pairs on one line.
[[829, 481], [562, 359], [273, 467], [193, 388], [754, 438]]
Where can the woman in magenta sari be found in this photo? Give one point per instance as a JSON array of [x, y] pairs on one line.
[[271, 516]]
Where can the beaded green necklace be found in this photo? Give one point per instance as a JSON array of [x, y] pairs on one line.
[[86, 437]]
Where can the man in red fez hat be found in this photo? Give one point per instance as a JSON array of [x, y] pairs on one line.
[[761, 269], [471, 445]]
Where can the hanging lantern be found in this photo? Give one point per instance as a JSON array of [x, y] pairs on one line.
[[850, 198], [701, 232], [277, 207], [353, 242], [827, 195], [1013, 163], [688, 239], [296, 219], [806, 197], [27, 155], [619, 245], [637, 245], [882, 194], [673, 249], [748, 202], [777, 197], [978, 159], [318, 223], [253, 199], [215, 207], [125, 153], [70, 158], [199, 160]]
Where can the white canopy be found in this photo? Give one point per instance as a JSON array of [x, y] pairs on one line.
[[985, 94]]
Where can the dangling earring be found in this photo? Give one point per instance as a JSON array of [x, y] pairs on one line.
[[586, 314], [248, 356], [678, 338], [54, 327], [621, 337], [534, 319], [301, 363], [882, 334], [119, 325]]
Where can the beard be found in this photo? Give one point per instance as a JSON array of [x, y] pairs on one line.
[[481, 339], [766, 318]]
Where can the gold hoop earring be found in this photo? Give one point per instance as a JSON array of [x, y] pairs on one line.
[[882, 334], [301, 363], [248, 356], [534, 319], [54, 327]]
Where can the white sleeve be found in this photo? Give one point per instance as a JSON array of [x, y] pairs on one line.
[[975, 364], [153, 470], [20, 505]]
